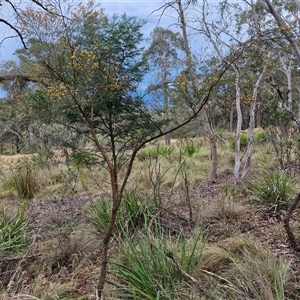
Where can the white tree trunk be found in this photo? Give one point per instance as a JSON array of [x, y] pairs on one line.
[[237, 150], [287, 70], [212, 177], [251, 127]]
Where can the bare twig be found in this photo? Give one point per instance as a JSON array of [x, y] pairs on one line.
[[184, 274], [20, 257]]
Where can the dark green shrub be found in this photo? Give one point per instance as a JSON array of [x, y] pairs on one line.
[[223, 134], [82, 159]]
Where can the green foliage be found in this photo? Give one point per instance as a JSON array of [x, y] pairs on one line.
[[154, 152], [26, 179], [82, 159], [134, 213], [190, 149], [12, 231], [146, 270], [273, 189], [222, 133], [243, 142], [261, 137], [98, 214]]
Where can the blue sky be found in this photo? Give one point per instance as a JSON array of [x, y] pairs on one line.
[[145, 9], [140, 8]]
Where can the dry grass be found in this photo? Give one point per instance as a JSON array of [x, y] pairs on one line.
[[244, 269], [224, 207], [67, 266]]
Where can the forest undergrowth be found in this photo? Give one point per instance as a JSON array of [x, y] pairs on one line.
[[176, 236]]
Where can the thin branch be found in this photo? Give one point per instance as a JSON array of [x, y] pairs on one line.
[[184, 274], [13, 131], [8, 37], [16, 30], [20, 257], [8, 77]]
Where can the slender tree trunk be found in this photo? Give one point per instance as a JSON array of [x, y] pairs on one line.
[[105, 248], [166, 103], [212, 178], [251, 127], [258, 115], [287, 70], [191, 70], [237, 151], [286, 221], [231, 118]]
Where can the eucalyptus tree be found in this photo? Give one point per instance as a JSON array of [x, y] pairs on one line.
[[92, 67], [164, 56], [192, 83], [228, 39], [286, 16], [283, 39]]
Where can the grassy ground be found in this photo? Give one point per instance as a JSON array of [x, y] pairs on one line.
[[177, 237]]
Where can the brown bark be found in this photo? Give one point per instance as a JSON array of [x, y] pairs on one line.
[[286, 222], [8, 77]]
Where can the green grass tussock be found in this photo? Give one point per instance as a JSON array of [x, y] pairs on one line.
[[272, 189]]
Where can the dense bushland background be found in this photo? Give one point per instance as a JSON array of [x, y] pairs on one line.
[[138, 167]]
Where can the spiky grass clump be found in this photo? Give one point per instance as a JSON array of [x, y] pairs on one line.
[[134, 212], [190, 149], [243, 141], [240, 268], [154, 152], [261, 137], [25, 179], [272, 189], [224, 207], [237, 268], [13, 237], [147, 272]]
